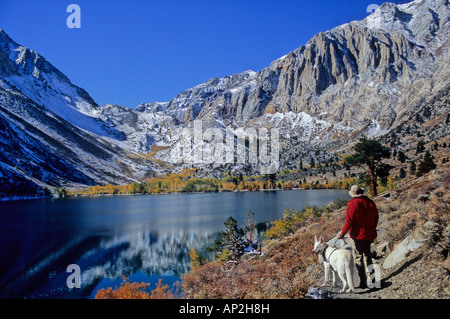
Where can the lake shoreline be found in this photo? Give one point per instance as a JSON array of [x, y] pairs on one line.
[[204, 192], [36, 197]]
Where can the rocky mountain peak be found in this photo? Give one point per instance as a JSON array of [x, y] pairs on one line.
[[339, 76], [420, 21]]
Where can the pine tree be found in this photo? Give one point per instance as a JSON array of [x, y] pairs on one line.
[[402, 173], [230, 240], [401, 156], [412, 168], [427, 111], [435, 146], [419, 118], [312, 163], [420, 147], [426, 165], [60, 192], [370, 152]]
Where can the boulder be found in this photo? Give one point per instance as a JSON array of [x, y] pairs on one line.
[[446, 263], [411, 243], [381, 249]]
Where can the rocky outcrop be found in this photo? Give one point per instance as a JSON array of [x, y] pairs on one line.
[[364, 74], [362, 78], [412, 243]]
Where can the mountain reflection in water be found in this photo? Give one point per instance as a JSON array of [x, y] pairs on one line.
[[141, 237]]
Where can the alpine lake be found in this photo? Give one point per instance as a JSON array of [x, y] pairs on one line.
[[145, 238]]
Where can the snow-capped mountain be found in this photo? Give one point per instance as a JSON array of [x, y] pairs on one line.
[[40, 149], [361, 78], [354, 74], [50, 132], [25, 70]]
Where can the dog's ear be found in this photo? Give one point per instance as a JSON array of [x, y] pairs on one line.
[[321, 239], [315, 239]]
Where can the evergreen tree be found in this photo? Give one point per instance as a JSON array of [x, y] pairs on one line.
[[435, 146], [346, 166], [370, 152], [231, 239], [270, 178], [420, 147], [312, 163], [401, 156], [412, 168], [402, 173], [426, 165], [427, 111], [419, 118], [300, 166], [60, 192]]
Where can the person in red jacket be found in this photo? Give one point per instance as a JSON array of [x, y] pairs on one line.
[[361, 219]]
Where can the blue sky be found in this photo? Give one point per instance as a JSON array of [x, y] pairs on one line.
[[132, 51]]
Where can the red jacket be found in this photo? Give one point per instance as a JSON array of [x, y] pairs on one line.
[[361, 219]]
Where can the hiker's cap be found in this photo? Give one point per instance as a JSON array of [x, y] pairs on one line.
[[356, 191]]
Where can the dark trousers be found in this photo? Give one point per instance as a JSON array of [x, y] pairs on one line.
[[362, 255]]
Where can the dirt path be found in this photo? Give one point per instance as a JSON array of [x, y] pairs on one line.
[[420, 276]]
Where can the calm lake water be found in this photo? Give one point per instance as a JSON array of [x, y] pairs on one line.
[[143, 237]]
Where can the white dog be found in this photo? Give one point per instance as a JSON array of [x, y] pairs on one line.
[[340, 260]]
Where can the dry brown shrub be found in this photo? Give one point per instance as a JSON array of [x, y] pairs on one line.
[[287, 269], [127, 290], [134, 290], [417, 201]]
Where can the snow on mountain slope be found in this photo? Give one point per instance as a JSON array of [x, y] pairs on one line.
[[34, 76], [48, 151]]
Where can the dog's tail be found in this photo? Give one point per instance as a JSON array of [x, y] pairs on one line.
[[350, 266]]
